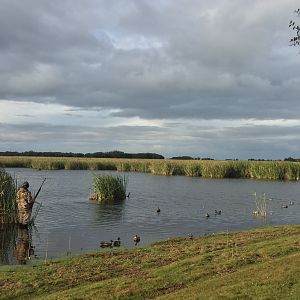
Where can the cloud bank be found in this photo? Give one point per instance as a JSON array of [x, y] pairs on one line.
[[178, 67]]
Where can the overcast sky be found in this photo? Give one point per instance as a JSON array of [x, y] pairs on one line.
[[195, 77]]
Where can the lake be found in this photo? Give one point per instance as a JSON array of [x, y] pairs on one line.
[[69, 223]]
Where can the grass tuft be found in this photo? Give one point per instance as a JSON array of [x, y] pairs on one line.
[[110, 188]]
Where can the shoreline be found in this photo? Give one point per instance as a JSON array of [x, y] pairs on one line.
[[262, 263]]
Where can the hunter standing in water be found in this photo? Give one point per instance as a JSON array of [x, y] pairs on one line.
[[25, 202]]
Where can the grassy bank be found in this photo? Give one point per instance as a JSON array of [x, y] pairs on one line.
[[256, 264], [274, 170]]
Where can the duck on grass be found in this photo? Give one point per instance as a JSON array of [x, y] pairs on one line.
[[109, 188]]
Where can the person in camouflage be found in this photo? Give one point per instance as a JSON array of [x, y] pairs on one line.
[[25, 202]]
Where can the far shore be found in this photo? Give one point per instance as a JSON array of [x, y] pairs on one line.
[[266, 170]]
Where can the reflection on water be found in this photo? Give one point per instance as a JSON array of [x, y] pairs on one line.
[[107, 213], [8, 238], [24, 247], [68, 222], [16, 244]]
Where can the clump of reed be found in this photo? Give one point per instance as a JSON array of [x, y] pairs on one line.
[[15, 162], [167, 168], [109, 188], [263, 205], [192, 169], [8, 205]]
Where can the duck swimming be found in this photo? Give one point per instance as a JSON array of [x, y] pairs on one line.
[[117, 242], [104, 244], [136, 239]]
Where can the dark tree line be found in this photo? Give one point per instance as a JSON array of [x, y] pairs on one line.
[[111, 154]]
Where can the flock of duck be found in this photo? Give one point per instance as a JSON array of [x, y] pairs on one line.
[[137, 239], [217, 212], [117, 242], [287, 205]]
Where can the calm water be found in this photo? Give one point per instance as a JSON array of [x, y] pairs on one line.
[[69, 222]]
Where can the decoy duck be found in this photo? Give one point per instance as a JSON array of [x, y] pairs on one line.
[[104, 244], [207, 215], [158, 210], [218, 212], [128, 195], [117, 243], [284, 206], [136, 239], [291, 203]]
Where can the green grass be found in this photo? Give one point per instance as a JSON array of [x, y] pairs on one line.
[[110, 188], [8, 205], [268, 170], [256, 264]]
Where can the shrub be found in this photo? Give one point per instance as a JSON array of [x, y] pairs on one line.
[[109, 187]]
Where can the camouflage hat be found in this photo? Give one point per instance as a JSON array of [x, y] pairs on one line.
[[25, 185]]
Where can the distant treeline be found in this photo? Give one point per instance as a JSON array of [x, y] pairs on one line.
[[111, 154], [292, 159]]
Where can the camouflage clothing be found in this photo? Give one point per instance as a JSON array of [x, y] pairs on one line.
[[25, 203]]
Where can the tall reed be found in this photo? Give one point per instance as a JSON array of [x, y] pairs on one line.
[[110, 188], [263, 205], [8, 205], [270, 170]]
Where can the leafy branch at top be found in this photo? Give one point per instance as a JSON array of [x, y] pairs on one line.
[[295, 41]]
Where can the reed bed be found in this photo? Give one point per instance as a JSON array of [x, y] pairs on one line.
[[109, 188], [8, 205], [269, 170]]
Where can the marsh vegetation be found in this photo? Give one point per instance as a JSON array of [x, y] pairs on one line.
[[8, 205], [270, 170], [109, 188]]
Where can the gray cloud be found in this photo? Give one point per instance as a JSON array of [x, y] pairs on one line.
[[243, 142], [156, 60]]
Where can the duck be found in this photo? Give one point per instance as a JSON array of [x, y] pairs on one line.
[[158, 210], [207, 215], [128, 195], [218, 212], [190, 236], [117, 242], [291, 203], [136, 239], [104, 244], [284, 206]]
